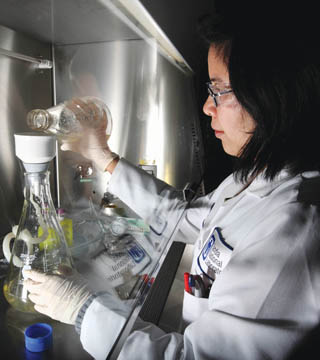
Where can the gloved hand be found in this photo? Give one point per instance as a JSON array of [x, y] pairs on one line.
[[93, 145], [58, 297]]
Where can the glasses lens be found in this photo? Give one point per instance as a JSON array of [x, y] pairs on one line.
[[219, 96], [211, 93]]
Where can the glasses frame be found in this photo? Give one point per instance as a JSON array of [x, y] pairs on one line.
[[216, 95]]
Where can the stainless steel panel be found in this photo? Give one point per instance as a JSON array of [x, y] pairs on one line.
[[65, 21], [81, 21], [22, 87], [151, 102]]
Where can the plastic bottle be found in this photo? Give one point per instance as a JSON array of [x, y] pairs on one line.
[[71, 118]]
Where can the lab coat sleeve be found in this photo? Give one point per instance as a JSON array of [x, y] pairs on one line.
[[148, 341], [102, 323], [141, 191], [152, 199], [215, 335]]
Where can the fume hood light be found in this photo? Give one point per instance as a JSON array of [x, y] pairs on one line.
[[144, 24]]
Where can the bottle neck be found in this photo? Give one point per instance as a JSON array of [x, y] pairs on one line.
[[39, 119]]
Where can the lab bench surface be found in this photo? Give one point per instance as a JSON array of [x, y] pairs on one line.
[[66, 343]]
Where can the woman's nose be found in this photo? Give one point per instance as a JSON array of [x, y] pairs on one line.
[[209, 108]]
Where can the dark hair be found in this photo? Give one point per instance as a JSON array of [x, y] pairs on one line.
[[273, 62]]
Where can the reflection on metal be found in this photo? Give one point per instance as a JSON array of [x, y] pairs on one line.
[[76, 22], [150, 169], [22, 88], [42, 63], [84, 172], [139, 20], [151, 102]]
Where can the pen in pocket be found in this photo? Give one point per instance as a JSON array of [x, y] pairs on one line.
[[200, 290], [186, 283], [191, 284]]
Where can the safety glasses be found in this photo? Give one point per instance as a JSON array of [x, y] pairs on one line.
[[216, 94]]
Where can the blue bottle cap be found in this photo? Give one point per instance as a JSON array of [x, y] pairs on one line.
[[38, 337]]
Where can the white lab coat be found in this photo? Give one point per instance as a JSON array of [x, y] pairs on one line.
[[265, 296]]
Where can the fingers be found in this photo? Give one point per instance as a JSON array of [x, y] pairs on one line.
[[32, 286], [66, 146], [65, 270], [76, 105], [42, 309], [37, 299], [53, 314], [73, 144], [41, 284], [107, 122], [88, 113], [36, 276]]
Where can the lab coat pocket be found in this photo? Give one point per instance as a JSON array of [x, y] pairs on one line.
[[193, 308]]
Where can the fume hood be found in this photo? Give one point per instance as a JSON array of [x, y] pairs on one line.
[[53, 50]]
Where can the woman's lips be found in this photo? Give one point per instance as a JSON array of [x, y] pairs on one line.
[[218, 133]]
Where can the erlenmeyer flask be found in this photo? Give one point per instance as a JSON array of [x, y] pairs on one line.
[[39, 240]]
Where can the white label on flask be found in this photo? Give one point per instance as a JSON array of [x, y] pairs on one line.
[[25, 267]]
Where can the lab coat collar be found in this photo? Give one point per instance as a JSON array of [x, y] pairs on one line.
[[261, 187]]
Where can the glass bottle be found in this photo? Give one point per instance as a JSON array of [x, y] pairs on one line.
[[39, 242], [72, 118]]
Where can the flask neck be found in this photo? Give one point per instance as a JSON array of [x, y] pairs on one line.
[[38, 210], [36, 167], [37, 188]]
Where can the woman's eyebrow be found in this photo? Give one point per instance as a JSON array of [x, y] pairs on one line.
[[217, 79]]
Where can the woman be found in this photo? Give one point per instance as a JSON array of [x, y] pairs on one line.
[[257, 236]]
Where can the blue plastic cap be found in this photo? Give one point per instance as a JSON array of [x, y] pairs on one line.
[[38, 337]]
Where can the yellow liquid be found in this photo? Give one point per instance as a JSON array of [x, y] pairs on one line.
[[16, 294], [24, 305]]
